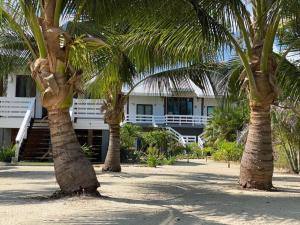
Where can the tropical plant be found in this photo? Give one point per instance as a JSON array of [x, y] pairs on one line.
[[226, 120], [286, 127], [249, 28], [153, 156], [161, 139], [129, 134], [35, 35], [7, 153], [228, 151]]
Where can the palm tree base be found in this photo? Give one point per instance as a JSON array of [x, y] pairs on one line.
[[111, 169]]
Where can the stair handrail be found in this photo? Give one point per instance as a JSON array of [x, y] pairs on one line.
[[178, 136], [22, 133]]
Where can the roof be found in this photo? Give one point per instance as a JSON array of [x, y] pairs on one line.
[[184, 89]]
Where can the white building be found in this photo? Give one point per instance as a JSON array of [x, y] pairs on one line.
[[23, 121]]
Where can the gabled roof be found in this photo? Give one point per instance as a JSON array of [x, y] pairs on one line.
[[184, 89]]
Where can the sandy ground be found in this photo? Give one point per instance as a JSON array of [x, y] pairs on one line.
[[194, 193]]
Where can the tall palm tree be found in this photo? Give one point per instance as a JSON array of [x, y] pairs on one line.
[[120, 66], [249, 28], [36, 24]]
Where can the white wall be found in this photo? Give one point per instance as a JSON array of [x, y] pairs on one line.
[[11, 86], [156, 101], [209, 102], [158, 104]]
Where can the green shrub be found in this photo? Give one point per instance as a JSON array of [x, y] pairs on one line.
[[208, 151], [195, 150], [130, 155], [128, 135], [176, 149], [153, 157], [226, 120], [169, 161], [228, 151], [161, 139], [7, 153]]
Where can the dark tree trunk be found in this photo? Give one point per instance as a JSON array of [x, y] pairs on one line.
[[112, 160], [257, 161], [73, 171]]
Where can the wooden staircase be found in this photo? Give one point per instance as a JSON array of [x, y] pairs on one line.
[[37, 146]]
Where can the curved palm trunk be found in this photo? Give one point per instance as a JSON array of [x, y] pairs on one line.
[[257, 161], [73, 171], [57, 83], [112, 160]]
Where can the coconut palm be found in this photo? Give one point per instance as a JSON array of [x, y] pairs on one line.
[[52, 52], [249, 29], [117, 66]]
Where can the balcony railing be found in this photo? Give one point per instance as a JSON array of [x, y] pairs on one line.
[[167, 119], [86, 109], [14, 107]]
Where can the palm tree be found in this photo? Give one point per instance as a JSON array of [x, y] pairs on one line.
[[118, 65], [249, 28], [35, 24]]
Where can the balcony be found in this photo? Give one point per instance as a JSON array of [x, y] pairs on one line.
[[189, 120]]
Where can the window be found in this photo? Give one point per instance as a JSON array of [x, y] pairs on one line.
[[210, 110], [179, 106], [25, 87], [142, 109]]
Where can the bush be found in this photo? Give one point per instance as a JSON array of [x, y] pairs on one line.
[[128, 135], [7, 153], [225, 121], [195, 150], [153, 157], [169, 161], [228, 151], [161, 139], [130, 155], [176, 149]]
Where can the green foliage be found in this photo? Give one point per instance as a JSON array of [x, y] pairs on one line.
[[161, 139], [208, 151], [226, 121], [286, 127], [7, 153], [153, 157], [129, 133], [195, 150], [176, 149], [87, 150], [169, 161], [228, 151]]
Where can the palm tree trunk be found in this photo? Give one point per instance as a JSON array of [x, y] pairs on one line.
[[112, 160], [74, 173], [257, 161]]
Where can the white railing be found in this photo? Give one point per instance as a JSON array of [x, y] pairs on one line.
[[176, 135], [183, 139], [14, 107], [86, 109], [167, 119], [22, 133]]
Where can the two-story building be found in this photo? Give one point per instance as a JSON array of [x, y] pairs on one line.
[[184, 111]]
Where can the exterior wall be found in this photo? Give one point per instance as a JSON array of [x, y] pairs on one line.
[[11, 86], [209, 102], [158, 104], [156, 101]]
